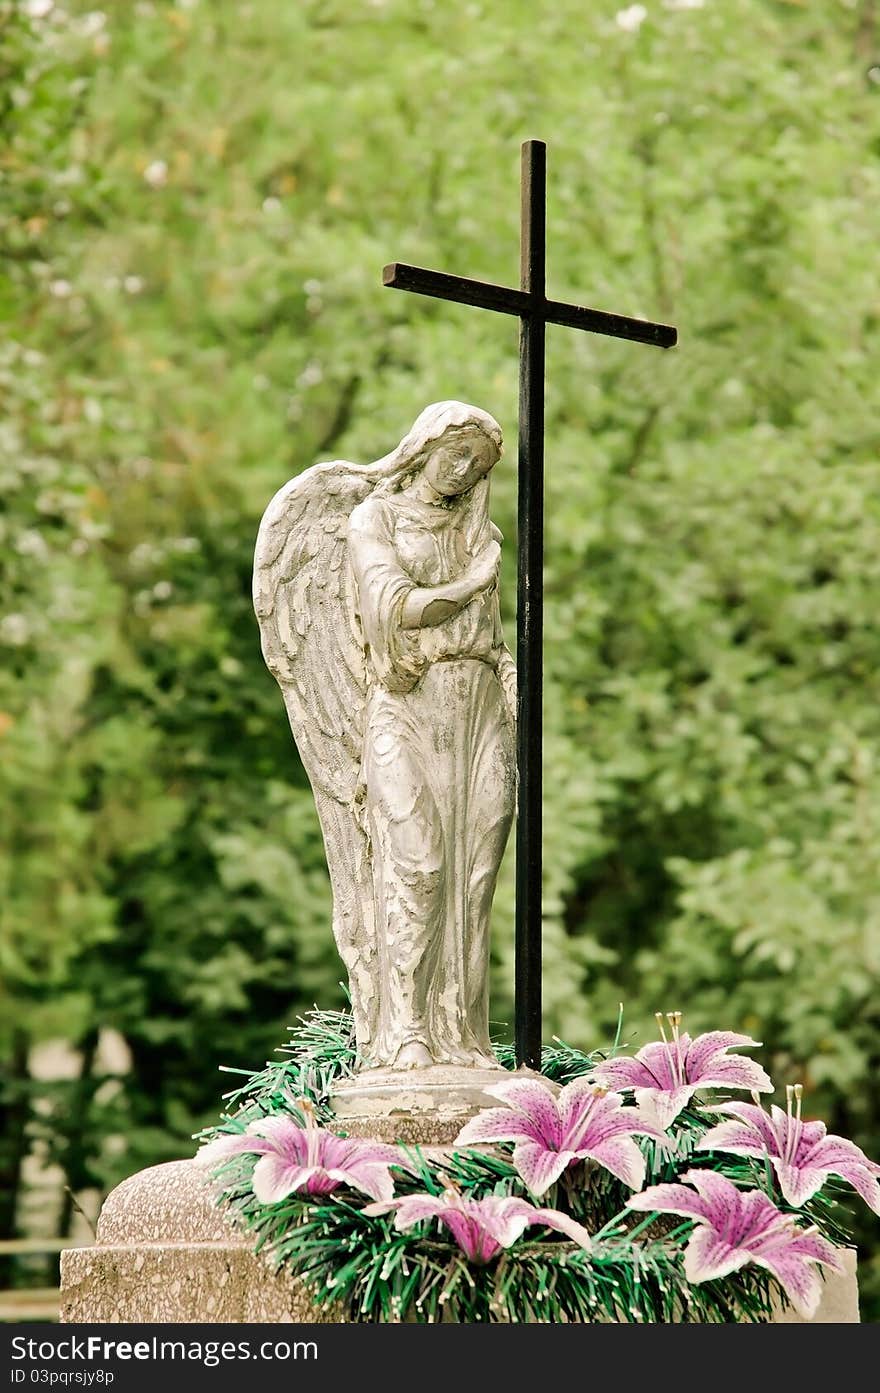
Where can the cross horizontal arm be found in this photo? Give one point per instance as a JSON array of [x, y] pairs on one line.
[[504, 299], [441, 286], [619, 326]]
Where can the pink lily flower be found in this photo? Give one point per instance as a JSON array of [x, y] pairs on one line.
[[802, 1154], [481, 1228], [307, 1159], [735, 1227], [552, 1132], [667, 1073]]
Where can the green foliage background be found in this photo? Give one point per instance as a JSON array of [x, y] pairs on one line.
[[196, 202]]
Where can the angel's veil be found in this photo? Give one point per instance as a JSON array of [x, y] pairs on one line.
[[305, 603]]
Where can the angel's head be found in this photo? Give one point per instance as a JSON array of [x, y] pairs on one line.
[[453, 445], [459, 459]]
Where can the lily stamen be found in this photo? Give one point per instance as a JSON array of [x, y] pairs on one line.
[[789, 1095], [658, 1017], [673, 1046], [313, 1140], [674, 1019], [572, 1140], [798, 1126], [794, 1093]]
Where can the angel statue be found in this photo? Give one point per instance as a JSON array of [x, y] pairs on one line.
[[376, 589]]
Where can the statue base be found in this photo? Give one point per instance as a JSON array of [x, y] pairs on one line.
[[166, 1252], [418, 1107]]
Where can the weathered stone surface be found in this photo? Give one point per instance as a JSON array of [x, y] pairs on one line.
[[173, 1202], [180, 1282], [448, 1093], [376, 590], [167, 1252], [418, 1129], [420, 1107]]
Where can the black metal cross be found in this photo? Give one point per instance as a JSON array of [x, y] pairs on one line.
[[534, 311]]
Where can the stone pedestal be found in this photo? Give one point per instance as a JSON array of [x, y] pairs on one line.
[[166, 1252]]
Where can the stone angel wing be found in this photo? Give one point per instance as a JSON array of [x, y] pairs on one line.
[[304, 601]]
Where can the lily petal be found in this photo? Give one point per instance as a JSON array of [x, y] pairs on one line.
[[497, 1124], [797, 1183], [539, 1166], [864, 1184], [708, 1254], [411, 1209], [580, 1097], [609, 1118], [766, 1126], [564, 1224], [799, 1279], [656, 1058], [735, 1071], [212, 1152], [671, 1199], [475, 1239], [285, 1137], [703, 1049], [377, 1152], [831, 1152], [506, 1216], [813, 1245], [275, 1178], [625, 1073], [536, 1102], [662, 1107], [738, 1138], [622, 1157], [373, 1179]]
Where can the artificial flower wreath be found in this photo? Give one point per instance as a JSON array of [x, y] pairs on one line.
[[382, 1232]]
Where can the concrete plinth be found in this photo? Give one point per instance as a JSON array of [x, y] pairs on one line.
[[165, 1251]]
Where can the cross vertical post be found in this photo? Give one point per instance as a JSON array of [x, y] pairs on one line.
[[530, 607], [535, 312]]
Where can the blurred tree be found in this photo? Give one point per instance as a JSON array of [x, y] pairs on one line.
[[196, 200]]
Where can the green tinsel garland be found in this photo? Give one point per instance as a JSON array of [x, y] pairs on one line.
[[365, 1270]]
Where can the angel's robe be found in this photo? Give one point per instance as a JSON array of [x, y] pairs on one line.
[[438, 779]]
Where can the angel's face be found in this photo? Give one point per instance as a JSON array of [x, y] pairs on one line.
[[458, 462]]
